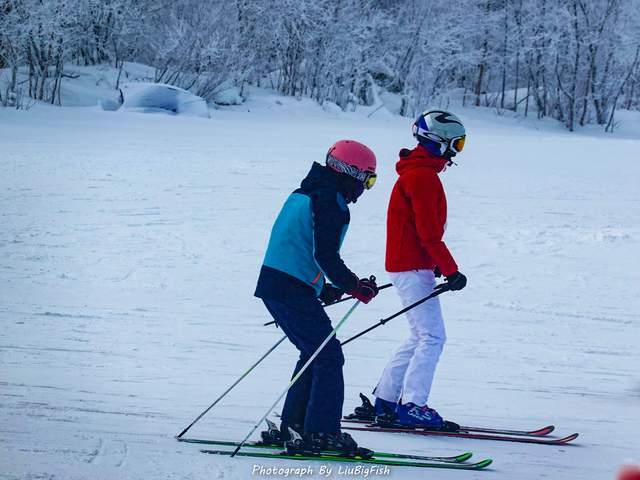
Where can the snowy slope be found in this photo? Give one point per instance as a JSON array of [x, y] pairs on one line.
[[130, 245]]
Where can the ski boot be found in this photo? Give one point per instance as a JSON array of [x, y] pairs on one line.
[[296, 445], [314, 444], [277, 436], [411, 415], [384, 407], [368, 412]]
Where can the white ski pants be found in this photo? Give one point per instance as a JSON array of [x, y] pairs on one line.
[[409, 374]]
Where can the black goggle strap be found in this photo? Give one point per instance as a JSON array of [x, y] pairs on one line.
[[436, 139]]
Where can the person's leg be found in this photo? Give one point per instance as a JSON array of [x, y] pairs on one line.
[[426, 320], [389, 386], [295, 404], [308, 325], [294, 409], [324, 411]]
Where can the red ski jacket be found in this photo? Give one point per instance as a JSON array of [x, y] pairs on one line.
[[417, 215]]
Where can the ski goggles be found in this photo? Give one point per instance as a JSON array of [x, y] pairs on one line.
[[456, 144], [368, 179]]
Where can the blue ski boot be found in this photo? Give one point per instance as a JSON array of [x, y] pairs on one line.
[[384, 406], [385, 412], [414, 416]]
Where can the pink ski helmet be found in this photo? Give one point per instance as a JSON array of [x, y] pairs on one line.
[[354, 159]]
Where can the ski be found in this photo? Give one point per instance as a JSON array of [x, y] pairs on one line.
[[477, 436], [463, 457], [541, 432], [375, 461], [366, 414]]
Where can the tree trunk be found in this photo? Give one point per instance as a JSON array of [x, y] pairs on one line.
[[119, 74], [519, 47], [526, 103], [571, 118], [504, 54], [630, 92], [515, 86], [478, 89], [44, 72], [588, 88], [632, 68], [482, 66], [30, 60], [14, 77]]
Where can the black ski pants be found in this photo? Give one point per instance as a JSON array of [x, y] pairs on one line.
[[315, 401]]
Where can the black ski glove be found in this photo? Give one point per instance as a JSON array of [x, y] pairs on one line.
[[330, 294], [436, 272], [456, 281]]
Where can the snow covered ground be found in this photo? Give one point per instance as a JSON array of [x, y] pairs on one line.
[[130, 245]]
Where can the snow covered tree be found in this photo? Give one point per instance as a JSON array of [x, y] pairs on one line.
[[574, 60]]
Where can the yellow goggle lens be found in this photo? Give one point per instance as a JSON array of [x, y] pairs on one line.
[[370, 181]]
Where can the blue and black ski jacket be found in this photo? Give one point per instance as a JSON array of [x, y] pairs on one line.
[[305, 241]]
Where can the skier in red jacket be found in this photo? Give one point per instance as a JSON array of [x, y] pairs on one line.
[[416, 254]]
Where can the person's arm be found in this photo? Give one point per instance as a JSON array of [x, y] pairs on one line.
[[330, 218], [425, 191]]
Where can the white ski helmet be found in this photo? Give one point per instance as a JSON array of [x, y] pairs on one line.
[[441, 132]]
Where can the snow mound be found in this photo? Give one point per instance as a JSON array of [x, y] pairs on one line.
[[229, 95], [161, 98], [331, 108]]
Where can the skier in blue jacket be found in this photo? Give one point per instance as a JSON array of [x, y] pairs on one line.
[[304, 248]]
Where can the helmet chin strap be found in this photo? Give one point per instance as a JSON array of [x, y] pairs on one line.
[[448, 155], [445, 152]]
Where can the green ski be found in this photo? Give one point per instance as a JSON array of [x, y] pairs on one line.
[[463, 457], [375, 461]]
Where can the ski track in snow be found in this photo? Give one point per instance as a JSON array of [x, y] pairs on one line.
[[130, 245]]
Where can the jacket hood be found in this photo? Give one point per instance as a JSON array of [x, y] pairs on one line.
[[417, 158], [322, 177], [319, 176]]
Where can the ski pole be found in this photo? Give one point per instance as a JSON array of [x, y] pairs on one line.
[[296, 377], [386, 285], [232, 386], [443, 287]]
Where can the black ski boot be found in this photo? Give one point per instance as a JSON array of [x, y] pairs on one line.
[[366, 411], [296, 445], [275, 436], [450, 426], [341, 443], [272, 435], [387, 419]]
